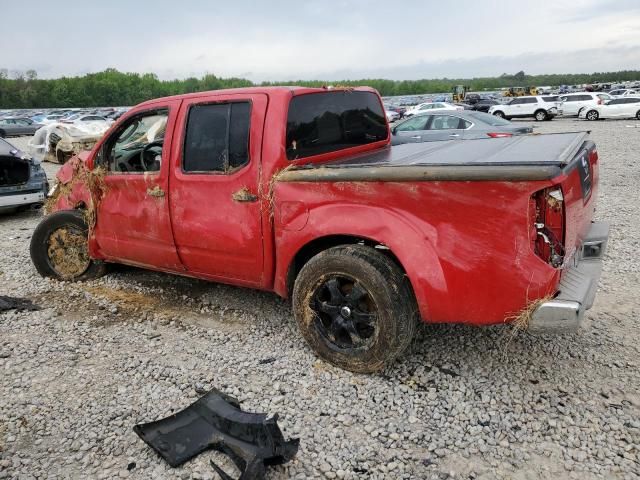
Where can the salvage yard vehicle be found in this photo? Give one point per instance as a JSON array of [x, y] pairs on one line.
[[14, 127], [527, 107], [623, 107], [23, 182], [297, 191], [573, 103], [428, 106], [58, 142], [468, 125]]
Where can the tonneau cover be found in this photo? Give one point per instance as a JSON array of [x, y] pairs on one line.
[[525, 157]]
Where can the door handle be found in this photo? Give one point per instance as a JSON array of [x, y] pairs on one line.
[[156, 192], [454, 135], [244, 195], [417, 136]]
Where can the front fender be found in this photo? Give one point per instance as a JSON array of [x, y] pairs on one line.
[[408, 238]]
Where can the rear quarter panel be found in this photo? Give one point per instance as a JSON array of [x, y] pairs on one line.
[[465, 246]]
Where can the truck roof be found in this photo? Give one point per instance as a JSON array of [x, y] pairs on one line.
[[272, 91]]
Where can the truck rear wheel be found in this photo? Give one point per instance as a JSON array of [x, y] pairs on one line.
[[59, 248], [355, 308]]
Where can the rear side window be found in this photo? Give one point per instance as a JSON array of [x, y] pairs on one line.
[[325, 122], [217, 138], [550, 99], [530, 100]]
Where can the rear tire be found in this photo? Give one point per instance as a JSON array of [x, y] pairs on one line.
[[540, 115], [499, 114], [59, 248], [638, 114], [355, 308], [592, 115]]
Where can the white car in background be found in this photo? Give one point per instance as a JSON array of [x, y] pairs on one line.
[[429, 107], [573, 103], [391, 115], [539, 107], [623, 107], [624, 93]]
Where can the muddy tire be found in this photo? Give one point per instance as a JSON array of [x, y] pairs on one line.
[[59, 248], [355, 308]]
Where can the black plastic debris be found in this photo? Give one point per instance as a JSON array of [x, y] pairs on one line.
[[19, 304], [216, 421]]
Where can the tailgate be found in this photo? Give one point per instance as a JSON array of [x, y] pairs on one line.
[[579, 183]]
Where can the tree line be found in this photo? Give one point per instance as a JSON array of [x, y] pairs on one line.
[[114, 88]]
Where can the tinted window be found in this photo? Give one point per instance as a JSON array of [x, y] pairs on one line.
[[550, 99], [631, 100], [530, 100], [217, 137], [517, 101], [329, 121], [616, 102]]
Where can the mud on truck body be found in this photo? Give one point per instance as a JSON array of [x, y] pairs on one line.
[[297, 191]]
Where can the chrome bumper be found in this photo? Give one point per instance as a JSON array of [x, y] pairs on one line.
[[577, 288]]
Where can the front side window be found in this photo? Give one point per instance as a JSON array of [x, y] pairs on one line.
[[217, 138], [136, 147], [516, 101], [328, 121]]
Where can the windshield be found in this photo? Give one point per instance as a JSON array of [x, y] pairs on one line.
[[490, 119]]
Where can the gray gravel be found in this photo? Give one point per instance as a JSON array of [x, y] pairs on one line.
[[465, 403]]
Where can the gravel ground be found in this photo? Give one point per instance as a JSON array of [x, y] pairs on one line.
[[464, 403]]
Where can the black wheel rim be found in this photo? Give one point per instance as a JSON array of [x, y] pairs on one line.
[[345, 313]]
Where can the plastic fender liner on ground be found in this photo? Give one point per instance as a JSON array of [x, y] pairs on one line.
[[216, 421]]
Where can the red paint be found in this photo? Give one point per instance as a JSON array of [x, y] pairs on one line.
[[467, 247]]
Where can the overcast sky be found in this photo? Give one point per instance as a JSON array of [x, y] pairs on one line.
[[329, 39]]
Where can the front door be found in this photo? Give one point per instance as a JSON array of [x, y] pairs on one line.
[[133, 223], [215, 197]]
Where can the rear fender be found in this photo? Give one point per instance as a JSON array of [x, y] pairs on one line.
[[412, 247]]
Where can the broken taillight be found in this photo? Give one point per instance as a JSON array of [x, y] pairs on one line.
[[499, 134], [546, 211]]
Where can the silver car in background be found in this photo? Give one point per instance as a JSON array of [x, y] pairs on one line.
[[459, 125]]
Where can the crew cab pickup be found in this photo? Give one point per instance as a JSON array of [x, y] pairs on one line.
[[297, 191]]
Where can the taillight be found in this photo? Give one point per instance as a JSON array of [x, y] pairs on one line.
[[546, 213], [499, 134]]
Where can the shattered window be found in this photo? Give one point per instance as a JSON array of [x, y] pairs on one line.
[[137, 145], [217, 138], [328, 121]]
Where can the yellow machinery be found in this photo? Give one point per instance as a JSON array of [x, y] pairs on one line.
[[459, 92], [520, 91]]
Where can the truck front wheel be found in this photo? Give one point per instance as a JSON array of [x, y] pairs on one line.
[[59, 248], [355, 308]]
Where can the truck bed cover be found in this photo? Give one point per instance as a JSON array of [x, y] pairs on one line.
[[526, 157]]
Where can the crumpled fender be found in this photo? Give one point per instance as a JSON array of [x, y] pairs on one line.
[[71, 190]]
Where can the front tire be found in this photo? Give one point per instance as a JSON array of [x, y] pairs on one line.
[[638, 114], [499, 114], [59, 248], [355, 308], [592, 115]]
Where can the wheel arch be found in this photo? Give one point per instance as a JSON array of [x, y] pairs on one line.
[[409, 242]]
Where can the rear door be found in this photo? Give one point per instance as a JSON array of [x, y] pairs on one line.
[[443, 127], [215, 197]]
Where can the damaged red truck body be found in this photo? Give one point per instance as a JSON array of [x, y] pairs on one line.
[[297, 191]]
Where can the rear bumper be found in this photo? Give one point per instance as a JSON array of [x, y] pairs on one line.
[[577, 288], [19, 199]]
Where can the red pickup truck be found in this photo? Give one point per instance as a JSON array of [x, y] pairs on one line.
[[297, 191]]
